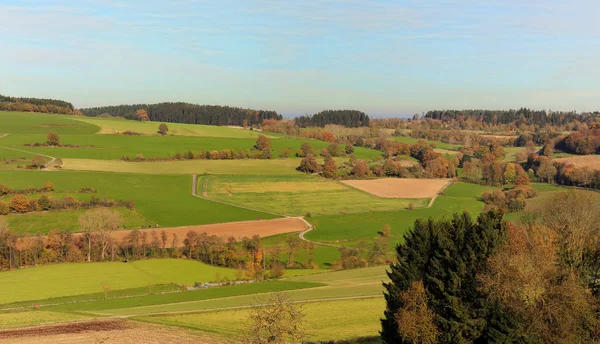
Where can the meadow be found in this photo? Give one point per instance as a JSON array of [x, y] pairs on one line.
[[456, 198], [163, 199], [437, 144], [297, 195]]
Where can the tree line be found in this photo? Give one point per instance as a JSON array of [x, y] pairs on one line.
[[347, 118], [35, 105], [523, 115], [187, 113]]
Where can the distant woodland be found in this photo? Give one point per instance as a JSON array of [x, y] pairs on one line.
[[35, 105], [522, 115], [347, 118], [187, 113]]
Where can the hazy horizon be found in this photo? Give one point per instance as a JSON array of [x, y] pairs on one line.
[[386, 58]]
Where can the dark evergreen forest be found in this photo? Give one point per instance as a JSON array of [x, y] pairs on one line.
[[524, 115], [187, 113], [347, 118]]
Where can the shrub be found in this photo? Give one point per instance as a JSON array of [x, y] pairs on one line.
[[162, 129], [38, 161], [19, 204], [53, 139], [4, 208], [49, 186], [43, 203]]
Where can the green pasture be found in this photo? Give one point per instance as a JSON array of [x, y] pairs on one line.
[[324, 320], [36, 317], [116, 126], [69, 279], [109, 147], [438, 144], [163, 199], [297, 195], [39, 123], [456, 198]]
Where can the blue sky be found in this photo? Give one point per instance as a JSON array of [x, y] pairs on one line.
[[297, 57]]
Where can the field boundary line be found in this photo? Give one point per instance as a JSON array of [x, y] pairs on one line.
[[195, 194], [27, 152], [450, 182], [309, 229]]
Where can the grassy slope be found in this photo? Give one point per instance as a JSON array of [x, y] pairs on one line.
[[456, 198], [296, 195], [438, 144], [72, 279], [38, 123], [163, 199]]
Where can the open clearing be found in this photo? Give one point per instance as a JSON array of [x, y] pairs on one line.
[[100, 331], [237, 230], [400, 187], [589, 161], [297, 195]]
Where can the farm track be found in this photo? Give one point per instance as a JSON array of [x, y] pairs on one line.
[[52, 159]]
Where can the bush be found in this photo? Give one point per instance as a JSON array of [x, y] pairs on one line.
[[49, 186], [19, 204], [4, 208], [53, 139]]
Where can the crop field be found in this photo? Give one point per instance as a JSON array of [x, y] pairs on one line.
[[39, 123], [117, 126], [456, 198], [580, 161], [163, 199], [324, 320], [43, 222], [400, 187], [297, 196], [438, 144]]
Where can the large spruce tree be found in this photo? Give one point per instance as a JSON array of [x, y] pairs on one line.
[[446, 256]]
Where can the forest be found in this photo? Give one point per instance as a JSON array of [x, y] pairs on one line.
[[347, 118], [35, 105], [187, 113], [523, 115]]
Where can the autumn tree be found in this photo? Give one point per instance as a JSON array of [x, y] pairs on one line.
[[278, 320], [304, 150], [510, 173], [386, 230], [416, 322], [52, 139], [360, 169], [163, 129], [38, 161], [49, 186], [20, 204], [327, 136], [263, 143], [142, 115], [98, 224], [309, 164], [58, 163], [330, 168]]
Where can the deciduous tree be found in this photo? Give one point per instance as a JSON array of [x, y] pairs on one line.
[[278, 320], [53, 139], [163, 129], [142, 115]]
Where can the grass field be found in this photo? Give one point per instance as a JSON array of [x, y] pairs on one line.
[[43, 222], [36, 317], [324, 320], [82, 278], [39, 123], [115, 126], [163, 199], [438, 144], [456, 198], [297, 195]]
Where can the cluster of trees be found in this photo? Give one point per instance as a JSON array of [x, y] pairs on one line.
[[20, 204], [347, 118], [489, 281], [508, 201], [493, 172], [186, 113], [36, 105], [564, 173], [524, 115], [581, 142]]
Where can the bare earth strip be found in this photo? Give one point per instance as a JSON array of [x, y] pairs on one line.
[[400, 187], [101, 331], [238, 230], [589, 161]]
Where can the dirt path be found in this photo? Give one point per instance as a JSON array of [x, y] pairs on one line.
[[52, 159]]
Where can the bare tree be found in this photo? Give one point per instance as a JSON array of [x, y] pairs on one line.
[[277, 321], [97, 225]]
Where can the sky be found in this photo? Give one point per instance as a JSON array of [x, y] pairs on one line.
[[384, 57]]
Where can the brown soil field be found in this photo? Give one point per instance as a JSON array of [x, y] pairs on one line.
[[238, 230], [400, 187], [103, 331], [591, 161]]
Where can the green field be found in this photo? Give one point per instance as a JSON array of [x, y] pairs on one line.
[[438, 144], [456, 198], [81, 278], [324, 320], [297, 195], [39, 123], [163, 199]]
